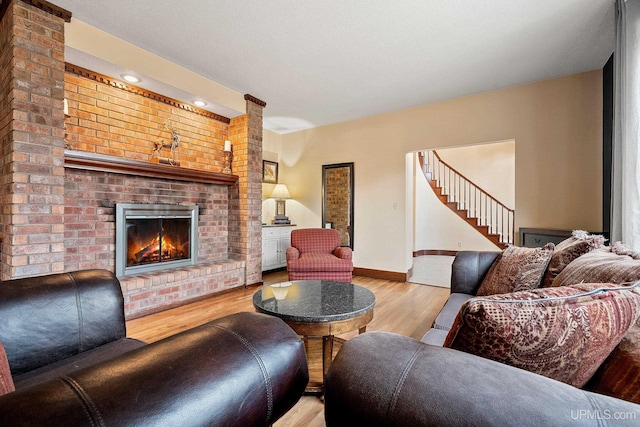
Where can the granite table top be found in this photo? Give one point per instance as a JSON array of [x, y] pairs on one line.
[[314, 301]]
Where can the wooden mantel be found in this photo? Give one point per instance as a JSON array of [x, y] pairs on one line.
[[98, 162]]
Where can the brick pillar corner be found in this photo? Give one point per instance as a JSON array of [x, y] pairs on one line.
[[32, 136], [245, 219]]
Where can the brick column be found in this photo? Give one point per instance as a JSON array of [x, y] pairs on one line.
[[245, 197], [32, 137]]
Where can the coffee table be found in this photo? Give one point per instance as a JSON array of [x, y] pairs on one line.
[[319, 308]]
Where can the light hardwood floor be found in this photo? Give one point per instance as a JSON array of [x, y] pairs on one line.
[[404, 308]]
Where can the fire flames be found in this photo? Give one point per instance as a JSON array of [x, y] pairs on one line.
[[156, 250]]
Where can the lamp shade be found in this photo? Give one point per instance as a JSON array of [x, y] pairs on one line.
[[280, 192]]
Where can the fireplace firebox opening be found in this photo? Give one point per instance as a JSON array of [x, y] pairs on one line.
[[154, 237]]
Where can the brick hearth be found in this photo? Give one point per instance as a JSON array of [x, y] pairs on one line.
[[56, 219]]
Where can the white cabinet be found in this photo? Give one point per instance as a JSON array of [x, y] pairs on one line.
[[275, 241]]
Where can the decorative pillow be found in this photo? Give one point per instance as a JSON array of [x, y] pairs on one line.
[[580, 243], [561, 333], [599, 266], [619, 375], [620, 249], [516, 269], [6, 380]]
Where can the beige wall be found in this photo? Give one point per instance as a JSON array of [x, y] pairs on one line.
[[491, 166], [271, 148], [557, 126]]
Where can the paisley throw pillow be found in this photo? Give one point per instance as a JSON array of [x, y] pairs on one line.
[[562, 333]]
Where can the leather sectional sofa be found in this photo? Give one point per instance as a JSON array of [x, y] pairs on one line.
[[71, 363], [420, 383], [385, 379]]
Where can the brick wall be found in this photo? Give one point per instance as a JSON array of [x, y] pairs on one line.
[[56, 219], [254, 190], [337, 201], [112, 121], [32, 141], [6, 114], [246, 196], [89, 218], [237, 193]]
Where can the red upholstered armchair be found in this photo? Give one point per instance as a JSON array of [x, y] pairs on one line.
[[315, 253]]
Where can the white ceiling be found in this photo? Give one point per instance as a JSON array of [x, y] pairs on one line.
[[321, 62]]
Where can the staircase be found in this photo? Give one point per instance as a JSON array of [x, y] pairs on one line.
[[478, 208]]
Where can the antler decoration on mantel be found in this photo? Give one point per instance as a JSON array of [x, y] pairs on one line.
[[173, 145]]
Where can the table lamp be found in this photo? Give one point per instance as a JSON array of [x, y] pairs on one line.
[[281, 194]]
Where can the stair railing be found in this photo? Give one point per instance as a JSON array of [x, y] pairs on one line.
[[468, 196]]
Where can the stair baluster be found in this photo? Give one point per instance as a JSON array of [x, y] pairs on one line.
[[477, 207]]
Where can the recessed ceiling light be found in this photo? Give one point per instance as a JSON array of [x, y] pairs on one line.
[[199, 103], [131, 78]]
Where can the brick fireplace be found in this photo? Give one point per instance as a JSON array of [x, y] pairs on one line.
[[90, 208], [63, 176]]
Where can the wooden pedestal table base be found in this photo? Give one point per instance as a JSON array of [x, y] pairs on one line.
[[327, 331], [318, 308]]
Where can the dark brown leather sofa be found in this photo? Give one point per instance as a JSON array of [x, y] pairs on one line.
[[384, 379], [72, 364]]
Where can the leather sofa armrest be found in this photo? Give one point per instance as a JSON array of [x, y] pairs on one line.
[[246, 369], [343, 252], [292, 253], [469, 269], [49, 318], [385, 379]]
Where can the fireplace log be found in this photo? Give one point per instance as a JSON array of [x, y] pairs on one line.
[[144, 252]]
